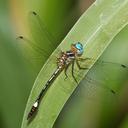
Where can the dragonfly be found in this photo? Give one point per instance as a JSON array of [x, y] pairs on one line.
[[64, 61]]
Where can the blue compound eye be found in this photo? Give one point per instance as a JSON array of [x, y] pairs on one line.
[[79, 48]]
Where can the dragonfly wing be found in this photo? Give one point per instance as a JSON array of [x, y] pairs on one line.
[[107, 75], [41, 44], [40, 33], [31, 50]]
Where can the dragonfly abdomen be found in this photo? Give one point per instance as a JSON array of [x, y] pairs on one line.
[[48, 83], [45, 88]]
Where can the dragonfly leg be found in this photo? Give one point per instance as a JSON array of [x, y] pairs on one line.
[[65, 72], [73, 73], [84, 68], [83, 59]]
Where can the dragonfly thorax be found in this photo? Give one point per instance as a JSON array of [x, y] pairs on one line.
[[65, 59]]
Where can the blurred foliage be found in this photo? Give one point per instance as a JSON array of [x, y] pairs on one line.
[[15, 82], [15, 79]]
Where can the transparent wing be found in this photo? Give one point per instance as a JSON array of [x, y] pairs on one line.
[[31, 51], [36, 54], [31, 45], [40, 33], [107, 75], [40, 46], [104, 80]]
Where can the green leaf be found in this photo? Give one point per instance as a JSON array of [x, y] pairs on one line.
[[93, 100], [95, 30]]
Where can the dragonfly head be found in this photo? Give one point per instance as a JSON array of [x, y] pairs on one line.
[[77, 48]]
